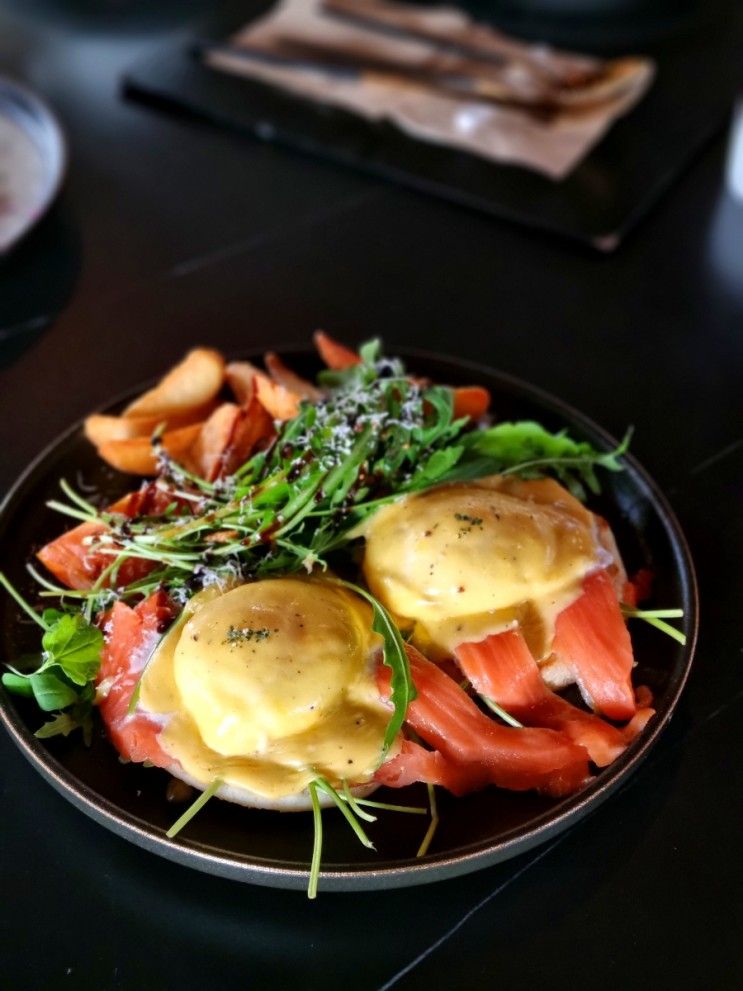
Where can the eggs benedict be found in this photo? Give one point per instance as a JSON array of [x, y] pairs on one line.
[[267, 686], [459, 562]]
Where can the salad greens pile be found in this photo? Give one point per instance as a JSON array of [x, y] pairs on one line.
[[377, 434]]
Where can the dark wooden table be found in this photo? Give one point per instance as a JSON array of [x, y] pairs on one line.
[[168, 233]]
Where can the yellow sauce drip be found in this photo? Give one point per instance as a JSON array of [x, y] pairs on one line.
[[270, 684], [460, 562]]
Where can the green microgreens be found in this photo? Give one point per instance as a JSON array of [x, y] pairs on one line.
[[432, 826], [372, 804], [74, 496], [15, 594], [500, 711], [354, 805], [389, 807], [324, 785], [349, 806], [317, 841], [656, 617], [374, 436], [194, 808]]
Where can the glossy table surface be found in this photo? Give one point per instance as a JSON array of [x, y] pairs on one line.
[[169, 232]]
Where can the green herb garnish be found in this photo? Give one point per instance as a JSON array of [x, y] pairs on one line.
[[470, 521], [316, 862], [239, 635], [66, 669], [500, 711], [349, 807], [433, 825], [656, 617], [194, 808]]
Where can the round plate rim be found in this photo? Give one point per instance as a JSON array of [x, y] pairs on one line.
[[397, 873]]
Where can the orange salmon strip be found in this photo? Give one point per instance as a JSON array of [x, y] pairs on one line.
[[480, 750], [72, 562], [502, 669], [415, 763], [131, 635], [471, 400], [591, 638]]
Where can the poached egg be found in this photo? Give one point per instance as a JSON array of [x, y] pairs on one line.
[[267, 685], [459, 562]]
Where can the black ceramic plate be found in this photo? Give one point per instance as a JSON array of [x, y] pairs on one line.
[[274, 848]]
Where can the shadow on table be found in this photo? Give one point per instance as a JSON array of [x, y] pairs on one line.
[[36, 281], [217, 930]]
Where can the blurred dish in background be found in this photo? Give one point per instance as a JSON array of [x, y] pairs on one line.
[[439, 77], [32, 161]]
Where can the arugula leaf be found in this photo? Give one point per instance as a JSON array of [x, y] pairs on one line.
[[527, 449], [435, 468], [75, 646], [402, 688]]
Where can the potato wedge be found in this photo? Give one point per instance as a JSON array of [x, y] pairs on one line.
[[193, 382], [240, 377], [245, 379], [283, 375], [281, 403], [214, 438], [228, 438], [135, 455], [101, 428], [252, 430]]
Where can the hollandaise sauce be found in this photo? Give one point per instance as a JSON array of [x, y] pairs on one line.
[[460, 562], [269, 685]]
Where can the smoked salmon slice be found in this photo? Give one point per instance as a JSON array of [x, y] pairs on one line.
[[502, 669], [471, 400], [130, 637], [72, 561], [415, 763], [592, 641], [474, 749]]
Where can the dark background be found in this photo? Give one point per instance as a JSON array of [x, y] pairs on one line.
[[169, 232]]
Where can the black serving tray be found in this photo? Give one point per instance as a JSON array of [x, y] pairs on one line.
[[699, 63]]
